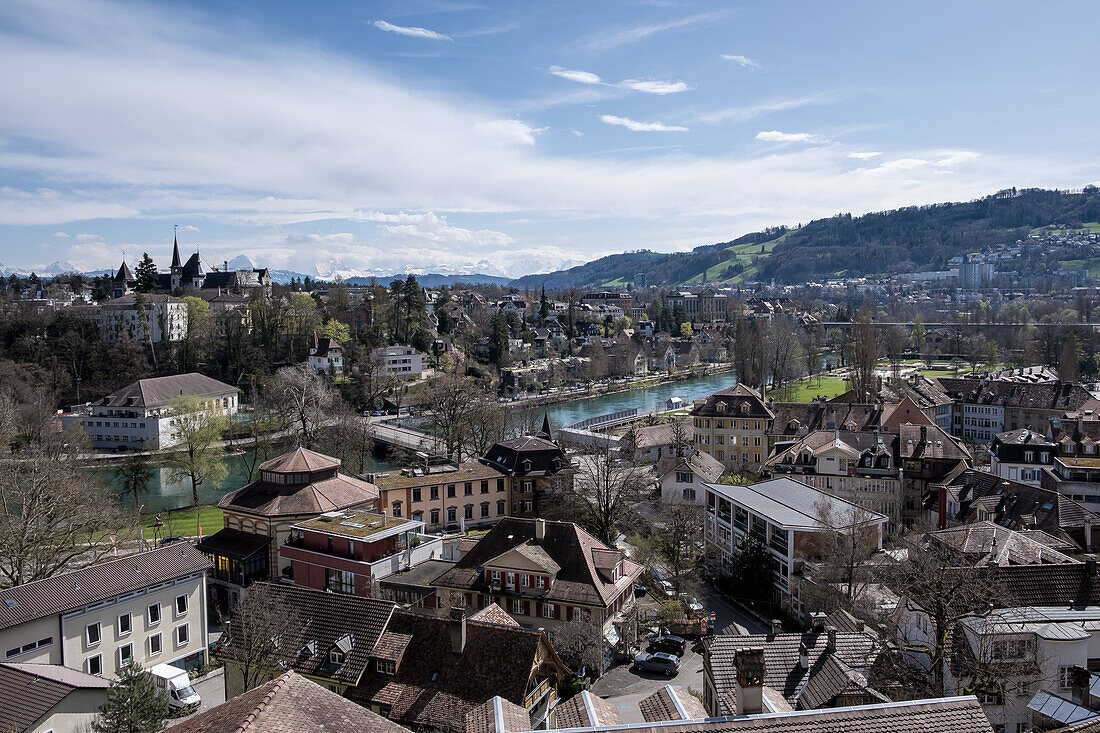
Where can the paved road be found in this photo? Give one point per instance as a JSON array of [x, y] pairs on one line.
[[212, 692]]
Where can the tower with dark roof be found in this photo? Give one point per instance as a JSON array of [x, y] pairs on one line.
[[123, 282], [177, 267]]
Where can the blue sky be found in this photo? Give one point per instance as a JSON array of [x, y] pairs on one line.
[[513, 137]]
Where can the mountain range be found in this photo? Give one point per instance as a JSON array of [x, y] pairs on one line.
[[912, 239]]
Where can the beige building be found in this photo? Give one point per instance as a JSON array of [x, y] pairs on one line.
[[149, 608], [147, 317], [470, 494], [48, 698], [732, 427]]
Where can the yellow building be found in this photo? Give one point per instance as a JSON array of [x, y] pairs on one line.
[[732, 426]]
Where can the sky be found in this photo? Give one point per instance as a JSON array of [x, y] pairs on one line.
[[343, 138]]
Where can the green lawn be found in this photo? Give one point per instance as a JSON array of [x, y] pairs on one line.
[[1092, 264], [934, 373], [810, 389], [181, 523], [743, 254]]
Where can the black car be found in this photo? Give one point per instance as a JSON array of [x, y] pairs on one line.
[[669, 644]]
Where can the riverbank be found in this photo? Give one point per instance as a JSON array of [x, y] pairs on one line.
[[629, 384]]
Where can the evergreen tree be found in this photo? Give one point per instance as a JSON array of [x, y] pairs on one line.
[[134, 704], [544, 305], [498, 338], [146, 274]]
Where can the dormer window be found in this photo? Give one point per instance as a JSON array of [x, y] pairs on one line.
[[1068, 447], [540, 581], [744, 408], [336, 657], [526, 465], [720, 406]]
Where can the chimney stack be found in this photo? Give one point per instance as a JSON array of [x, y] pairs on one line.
[[777, 627], [803, 656], [750, 681], [1090, 566], [540, 530], [1088, 534], [458, 630], [831, 644]]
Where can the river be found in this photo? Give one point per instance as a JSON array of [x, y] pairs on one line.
[[166, 491]]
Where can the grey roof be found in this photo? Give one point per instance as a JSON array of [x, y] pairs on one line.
[[77, 588], [160, 391], [30, 691], [789, 503]]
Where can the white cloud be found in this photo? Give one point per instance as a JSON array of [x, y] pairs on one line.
[[748, 112], [581, 77], [743, 61], [954, 157], [88, 238], [775, 136], [59, 235], [864, 155], [511, 132], [412, 31], [640, 33], [640, 126], [188, 228], [656, 87], [577, 133]]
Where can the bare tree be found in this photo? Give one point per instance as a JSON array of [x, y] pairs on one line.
[[52, 512], [605, 487], [680, 540], [198, 455], [850, 536], [453, 405], [304, 398], [580, 643], [373, 381], [348, 439], [863, 349], [261, 637]]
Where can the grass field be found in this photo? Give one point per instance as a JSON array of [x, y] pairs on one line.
[[1092, 264], [933, 373], [743, 254], [180, 523], [810, 389]]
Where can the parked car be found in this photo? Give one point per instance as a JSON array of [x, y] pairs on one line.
[[666, 664], [640, 590], [669, 644], [692, 603], [666, 587]]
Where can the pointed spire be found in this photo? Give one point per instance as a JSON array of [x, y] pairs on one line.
[[545, 432], [176, 263]]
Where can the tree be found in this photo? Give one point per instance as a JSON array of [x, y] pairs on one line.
[[452, 402], [864, 350], [260, 636], [303, 398], [751, 570], [134, 704], [679, 540], [544, 305], [498, 338], [338, 331], [51, 510], [146, 274], [918, 333], [1069, 363], [135, 474], [849, 536], [198, 455], [374, 381], [199, 335], [604, 489], [348, 439]]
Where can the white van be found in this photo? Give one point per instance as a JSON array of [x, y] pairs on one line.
[[176, 685]]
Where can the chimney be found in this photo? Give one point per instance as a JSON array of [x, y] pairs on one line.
[[1090, 566], [1088, 534], [818, 620], [923, 433], [750, 681], [803, 656], [777, 627], [540, 530], [831, 644], [1079, 685], [458, 630]]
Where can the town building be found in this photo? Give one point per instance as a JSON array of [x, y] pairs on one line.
[[786, 516], [449, 497], [258, 518], [985, 408], [350, 551], [683, 478], [140, 415], [148, 608], [544, 574], [732, 426], [400, 361], [1020, 455], [49, 698], [537, 466], [148, 318], [326, 356]]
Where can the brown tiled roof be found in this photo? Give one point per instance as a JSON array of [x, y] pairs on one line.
[[290, 500], [497, 715], [233, 543], [792, 417], [94, 583], [831, 678], [1048, 585], [1062, 396], [509, 456], [391, 645], [29, 691], [923, 441], [571, 547], [288, 704], [325, 618], [734, 397], [708, 468], [160, 391], [494, 614], [905, 411], [585, 709], [435, 687], [300, 460], [841, 620], [669, 703]]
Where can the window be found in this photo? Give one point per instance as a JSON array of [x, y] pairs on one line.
[[485, 486], [540, 581], [124, 624], [154, 645], [689, 494], [517, 606], [339, 581], [384, 666], [500, 507], [495, 575], [397, 509], [435, 516], [28, 647], [416, 494], [450, 491], [153, 614], [125, 655], [94, 665], [183, 635], [181, 605], [468, 511], [484, 509], [525, 580], [1065, 678], [500, 484], [434, 492], [91, 634], [528, 485], [336, 656], [548, 610], [684, 477], [451, 514]]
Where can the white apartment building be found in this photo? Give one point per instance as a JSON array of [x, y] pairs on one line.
[[783, 514], [164, 318], [149, 608], [139, 416], [403, 361]]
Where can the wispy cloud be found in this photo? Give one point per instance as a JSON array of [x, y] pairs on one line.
[[954, 157], [748, 112], [743, 61], [641, 32], [509, 132], [864, 154], [411, 30], [775, 136], [581, 77], [656, 87], [640, 126]]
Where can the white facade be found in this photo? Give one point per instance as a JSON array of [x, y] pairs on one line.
[[981, 422], [402, 361], [683, 485], [165, 319]]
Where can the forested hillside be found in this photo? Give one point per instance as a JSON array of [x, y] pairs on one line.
[[911, 239]]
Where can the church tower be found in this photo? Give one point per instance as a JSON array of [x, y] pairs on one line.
[[177, 267]]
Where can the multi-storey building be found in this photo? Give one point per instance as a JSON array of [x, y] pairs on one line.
[[140, 416], [148, 608], [984, 408], [537, 466], [785, 515], [1020, 455], [401, 361], [326, 356], [146, 317], [449, 497], [732, 426]]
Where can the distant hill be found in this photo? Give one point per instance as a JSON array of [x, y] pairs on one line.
[[435, 280], [911, 239]]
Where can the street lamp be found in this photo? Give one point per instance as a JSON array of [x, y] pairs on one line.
[[157, 527]]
